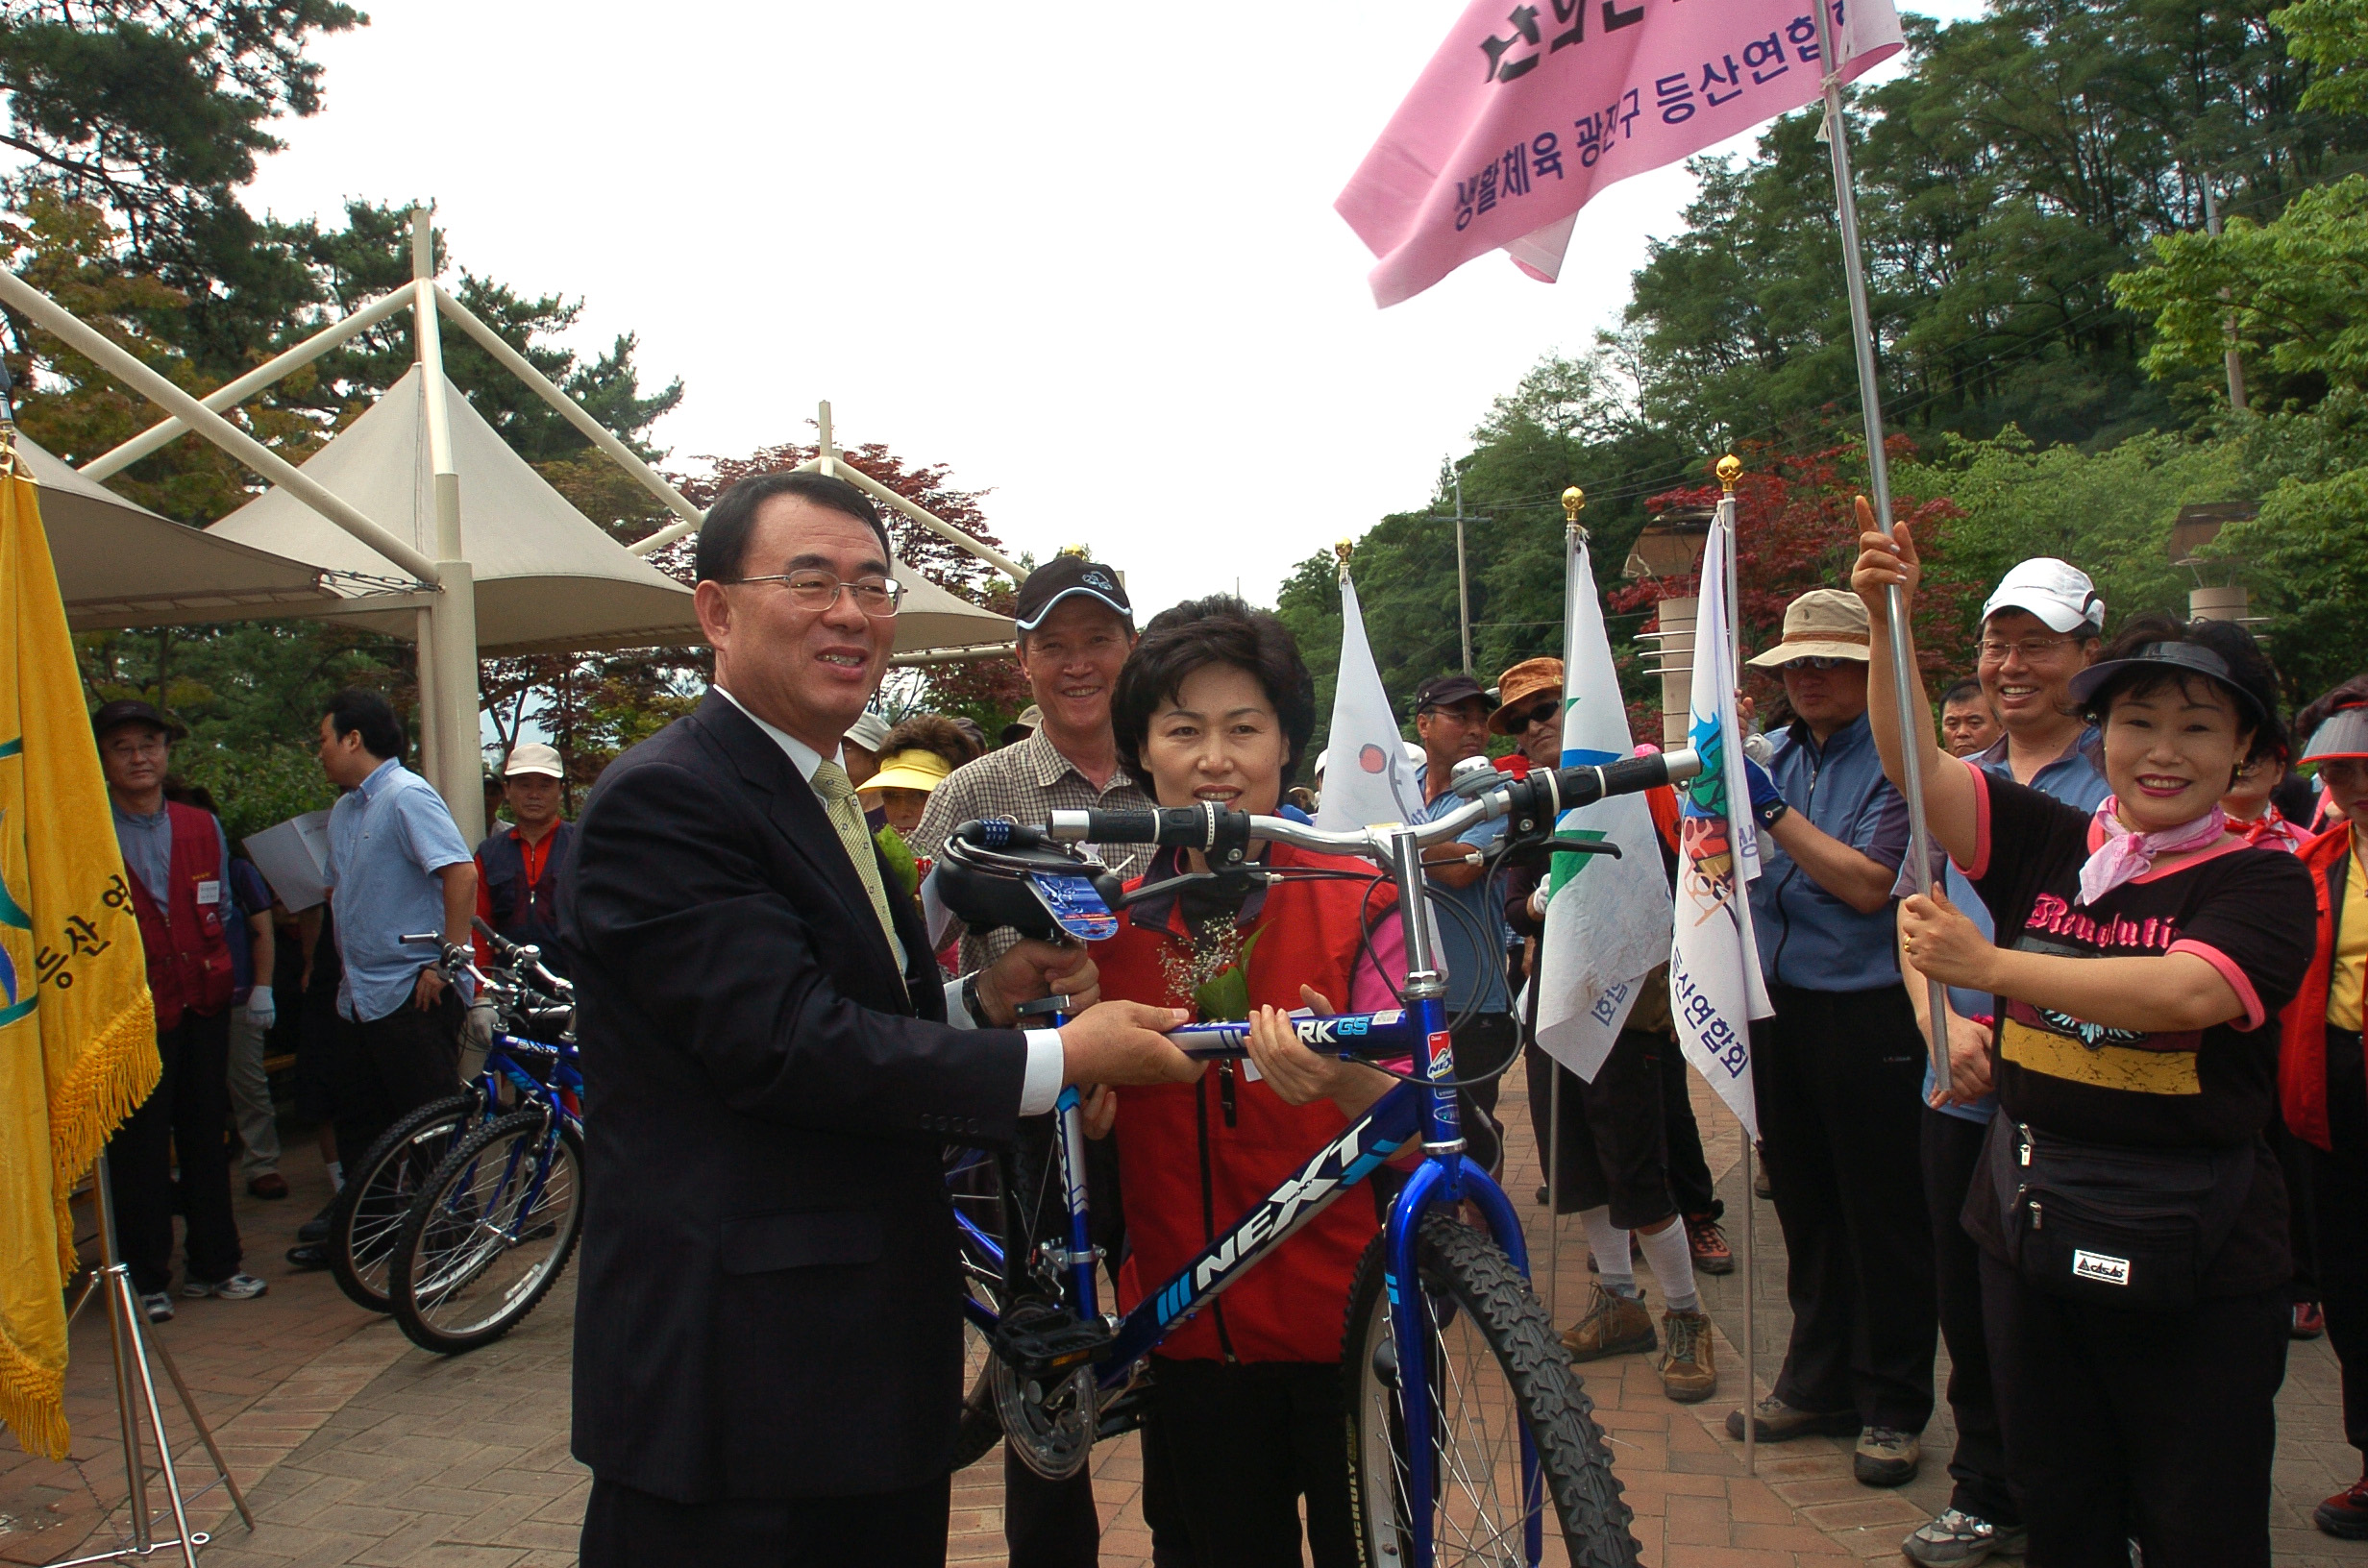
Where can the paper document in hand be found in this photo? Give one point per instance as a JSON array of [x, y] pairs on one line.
[[1607, 920], [293, 857], [1367, 778], [1714, 984], [1527, 111]]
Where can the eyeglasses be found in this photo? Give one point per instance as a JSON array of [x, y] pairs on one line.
[[1995, 651], [1815, 661], [876, 597], [2346, 772], [1539, 714]]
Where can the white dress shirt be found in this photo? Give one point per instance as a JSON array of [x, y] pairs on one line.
[[1042, 1085]]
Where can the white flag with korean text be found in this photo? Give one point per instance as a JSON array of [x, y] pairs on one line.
[[1715, 988], [1607, 919]]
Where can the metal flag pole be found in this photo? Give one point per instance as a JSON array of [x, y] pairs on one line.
[[1730, 470], [112, 1280], [1574, 500], [1836, 136]]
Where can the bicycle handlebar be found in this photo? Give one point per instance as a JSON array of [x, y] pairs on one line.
[[1544, 794]]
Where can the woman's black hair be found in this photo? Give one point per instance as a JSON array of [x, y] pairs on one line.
[[930, 732], [1219, 630], [2352, 694], [2249, 669]]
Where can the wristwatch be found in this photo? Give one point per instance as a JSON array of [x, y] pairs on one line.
[[970, 1003]]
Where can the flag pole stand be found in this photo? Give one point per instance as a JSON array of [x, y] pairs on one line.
[[135, 1388], [1836, 134]]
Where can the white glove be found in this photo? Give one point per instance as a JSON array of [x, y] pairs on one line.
[[478, 1028], [263, 1010], [1537, 903]]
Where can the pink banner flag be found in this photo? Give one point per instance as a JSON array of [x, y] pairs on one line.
[[1527, 111]]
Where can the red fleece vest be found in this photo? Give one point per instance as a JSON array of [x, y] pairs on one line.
[[1190, 1168], [187, 943]]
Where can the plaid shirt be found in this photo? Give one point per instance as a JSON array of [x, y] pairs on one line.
[[1025, 783]]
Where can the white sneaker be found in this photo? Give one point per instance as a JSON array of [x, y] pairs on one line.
[[158, 1305], [238, 1288]]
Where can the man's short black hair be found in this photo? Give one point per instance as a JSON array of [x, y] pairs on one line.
[[1219, 630], [354, 709], [1964, 691], [723, 537]]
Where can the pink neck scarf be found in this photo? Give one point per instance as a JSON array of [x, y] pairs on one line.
[[2126, 855]]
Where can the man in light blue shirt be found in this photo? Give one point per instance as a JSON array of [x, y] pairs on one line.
[[1451, 719], [2043, 625], [397, 867]]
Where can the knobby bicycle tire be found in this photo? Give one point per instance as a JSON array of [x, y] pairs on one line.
[[1471, 1282], [435, 1207], [368, 1219]]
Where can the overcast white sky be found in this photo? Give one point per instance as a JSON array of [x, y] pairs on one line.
[[1086, 255]]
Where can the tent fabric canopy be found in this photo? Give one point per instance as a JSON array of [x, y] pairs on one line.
[[548, 580], [122, 565]]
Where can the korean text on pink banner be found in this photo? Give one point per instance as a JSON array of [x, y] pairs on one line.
[[1528, 110]]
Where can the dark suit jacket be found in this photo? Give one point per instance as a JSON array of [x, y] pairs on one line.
[[768, 1303]]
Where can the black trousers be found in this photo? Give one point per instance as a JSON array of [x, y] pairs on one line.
[[189, 1116], [2158, 1426], [627, 1529], [2339, 1189], [2302, 1217], [1840, 1079], [1952, 1156], [1486, 1041], [1227, 1453], [392, 1065], [1690, 1169], [1613, 1144]]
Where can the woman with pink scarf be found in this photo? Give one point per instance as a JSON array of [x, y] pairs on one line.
[[2131, 1217]]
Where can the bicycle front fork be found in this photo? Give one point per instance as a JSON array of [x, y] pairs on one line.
[[1069, 1148]]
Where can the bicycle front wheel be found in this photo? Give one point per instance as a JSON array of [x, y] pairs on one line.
[[488, 1237], [368, 1218], [1494, 1368]]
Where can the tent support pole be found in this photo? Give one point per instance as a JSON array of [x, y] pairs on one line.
[[460, 762], [110, 356], [423, 655], [569, 409], [922, 515], [163, 434]]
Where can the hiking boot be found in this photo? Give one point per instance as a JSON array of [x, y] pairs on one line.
[[1708, 1243], [1958, 1539], [316, 1229], [1779, 1422], [1613, 1325], [238, 1288], [2309, 1321], [1688, 1374], [1887, 1457], [309, 1255], [2345, 1515]]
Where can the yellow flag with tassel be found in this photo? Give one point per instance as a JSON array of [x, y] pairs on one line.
[[77, 1038]]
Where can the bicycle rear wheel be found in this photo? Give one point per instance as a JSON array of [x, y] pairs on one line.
[[1494, 1367], [977, 1189], [369, 1217], [487, 1237]]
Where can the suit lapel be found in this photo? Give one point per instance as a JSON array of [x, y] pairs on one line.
[[795, 813]]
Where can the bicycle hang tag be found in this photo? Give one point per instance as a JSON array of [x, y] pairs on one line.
[[1075, 904]]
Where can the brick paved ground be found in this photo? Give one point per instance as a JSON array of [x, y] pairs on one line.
[[357, 1448]]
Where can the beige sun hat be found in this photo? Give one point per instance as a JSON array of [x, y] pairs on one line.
[[1822, 624]]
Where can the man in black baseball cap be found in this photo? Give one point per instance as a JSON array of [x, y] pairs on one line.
[[130, 710]]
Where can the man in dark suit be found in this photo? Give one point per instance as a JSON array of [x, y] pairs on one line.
[[768, 1333]]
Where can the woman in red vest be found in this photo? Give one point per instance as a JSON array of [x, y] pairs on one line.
[[1245, 1416], [2322, 1071]]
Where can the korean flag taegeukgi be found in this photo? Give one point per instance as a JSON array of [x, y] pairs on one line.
[[1368, 777], [1714, 984], [1531, 107]]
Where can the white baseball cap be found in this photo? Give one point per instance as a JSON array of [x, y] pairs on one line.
[[868, 731], [2057, 592], [534, 757]]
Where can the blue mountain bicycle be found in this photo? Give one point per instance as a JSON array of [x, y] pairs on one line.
[[1465, 1420]]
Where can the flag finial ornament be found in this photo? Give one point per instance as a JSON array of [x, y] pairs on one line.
[[1730, 470], [1574, 502], [1343, 549]]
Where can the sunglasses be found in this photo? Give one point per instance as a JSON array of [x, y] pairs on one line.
[[1816, 661], [1542, 713]]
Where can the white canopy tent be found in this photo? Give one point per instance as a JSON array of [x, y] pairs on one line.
[[122, 565]]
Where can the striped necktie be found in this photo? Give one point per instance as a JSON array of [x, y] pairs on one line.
[[838, 794]]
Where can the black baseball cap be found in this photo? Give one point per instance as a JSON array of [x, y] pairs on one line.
[[1446, 691], [130, 710], [2192, 658], [1063, 576]]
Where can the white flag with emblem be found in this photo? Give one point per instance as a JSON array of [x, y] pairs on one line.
[[1367, 778], [1607, 920], [1714, 984]]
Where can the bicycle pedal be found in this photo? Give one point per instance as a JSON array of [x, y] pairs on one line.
[[1043, 1339]]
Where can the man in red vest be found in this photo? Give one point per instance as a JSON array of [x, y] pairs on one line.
[[518, 865], [179, 866]]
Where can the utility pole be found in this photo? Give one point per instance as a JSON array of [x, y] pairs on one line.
[[2237, 367]]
